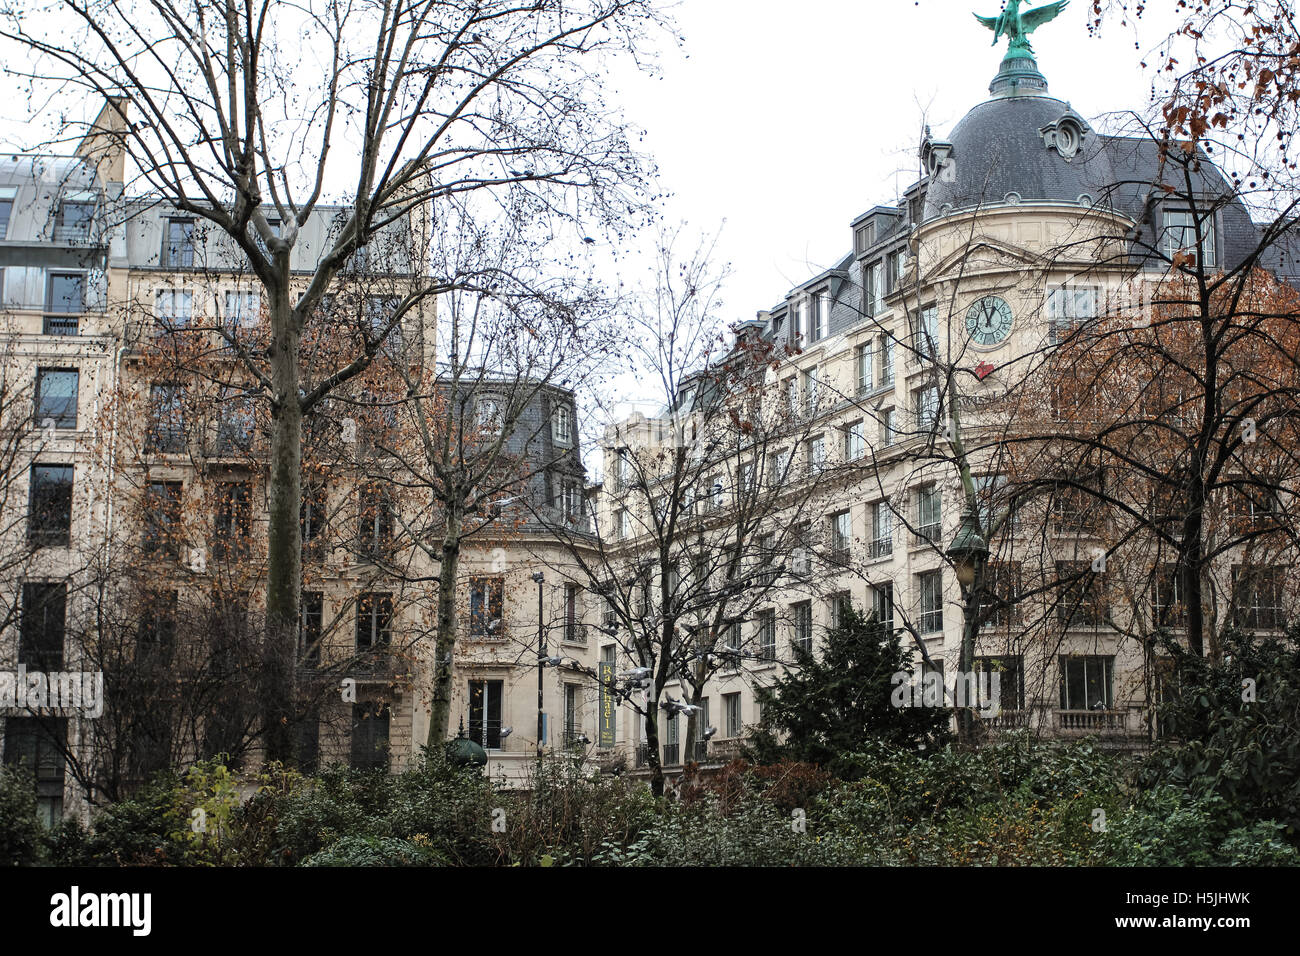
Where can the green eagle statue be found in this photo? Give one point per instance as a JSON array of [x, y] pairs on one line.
[[1017, 26]]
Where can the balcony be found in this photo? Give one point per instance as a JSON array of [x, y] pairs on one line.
[[61, 324], [880, 548], [672, 754], [1086, 722]]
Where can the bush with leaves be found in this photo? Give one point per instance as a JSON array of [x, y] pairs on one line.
[[1168, 826], [1230, 742], [834, 702], [20, 830], [374, 851]]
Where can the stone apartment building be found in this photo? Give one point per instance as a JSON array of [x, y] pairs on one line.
[[135, 502], [1023, 221]]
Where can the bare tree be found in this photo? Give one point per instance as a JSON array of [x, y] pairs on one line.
[[230, 112]]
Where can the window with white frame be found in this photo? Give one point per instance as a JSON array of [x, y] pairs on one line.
[[929, 513], [882, 530], [175, 308], [1070, 306], [925, 334], [731, 711], [863, 359], [1179, 234], [874, 287], [810, 390], [886, 350], [818, 316], [765, 639], [489, 416], [562, 425], [926, 402], [855, 440], [841, 536], [888, 432], [929, 586], [815, 456]]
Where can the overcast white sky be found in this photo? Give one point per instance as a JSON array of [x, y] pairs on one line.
[[787, 120]]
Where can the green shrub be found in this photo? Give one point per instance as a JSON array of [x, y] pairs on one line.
[[373, 851], [20, 830]]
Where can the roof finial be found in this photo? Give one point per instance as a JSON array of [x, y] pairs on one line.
[[1019, 75]]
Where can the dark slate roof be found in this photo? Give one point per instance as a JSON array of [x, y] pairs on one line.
[[997, 149]]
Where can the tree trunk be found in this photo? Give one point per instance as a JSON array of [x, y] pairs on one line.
[[1190, 570], [284, 547], [652, 746], [445, 646]]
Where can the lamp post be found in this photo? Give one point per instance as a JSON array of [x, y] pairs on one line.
[[541, 659], [969, 552]]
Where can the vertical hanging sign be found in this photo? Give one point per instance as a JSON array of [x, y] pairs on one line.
[[608, 712]]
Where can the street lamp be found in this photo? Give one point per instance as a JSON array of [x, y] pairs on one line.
[[541, 659], [968, 553]]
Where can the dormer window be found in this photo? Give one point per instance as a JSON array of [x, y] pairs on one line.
[[1179, 231], [1065, 136], [819, 316]]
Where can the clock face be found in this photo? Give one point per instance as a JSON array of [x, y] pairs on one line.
[[988, 321]]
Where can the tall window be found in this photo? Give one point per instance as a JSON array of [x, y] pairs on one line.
[[41, 626], [815, 455], [166, 418], [1001, 594], [375, 522], [489, 416], [312, 518], [886, 350], [888, 433], [803, 625], [1011, 679], [162, 517], [74, 222], [571, 498], [810, 396], [929, 513], [572, 729], [1257, 597], [573, 630], [791, 387], [1179, 235], [818, 316], [929, 586], [1167, 606], [311, 617], [926, 402], [925, 335], [1081, 597], [882, 603], [178, 244], [486, 596], [731, 715], [562, 425], [56, 397], [374, 620], [379, 313], [234, 519], [875, 287], [1086, 682], [38, 744], [6, 209], [50, 509], [882, 530], [370, 730], [65, 299], [235, 422], [855, 441], [841, 536], [485, 713], [863, 358], [766, 637]]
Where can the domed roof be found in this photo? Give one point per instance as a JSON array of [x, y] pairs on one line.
[[1017, 149]]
